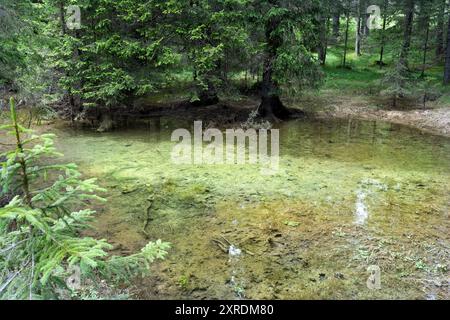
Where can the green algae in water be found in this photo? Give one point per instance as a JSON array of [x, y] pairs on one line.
[[361, 192]]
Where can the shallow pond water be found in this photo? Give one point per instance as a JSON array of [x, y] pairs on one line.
[[348, 195]]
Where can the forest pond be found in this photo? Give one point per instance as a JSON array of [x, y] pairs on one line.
[[348, 195]]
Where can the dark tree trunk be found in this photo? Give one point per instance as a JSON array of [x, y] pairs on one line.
[[62, 18], [409, 16], [426, 23], [206, 90], [72, 99], [440, 31], [322, 48], [365, 31], [383, 33], [207, 94], [347, 25], [359, 28], [447, 56], [271, 105], [425, 49]]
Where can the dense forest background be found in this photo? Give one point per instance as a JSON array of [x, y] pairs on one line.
[[96, 55]]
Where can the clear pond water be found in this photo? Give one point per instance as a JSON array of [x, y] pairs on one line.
[[348, 195]]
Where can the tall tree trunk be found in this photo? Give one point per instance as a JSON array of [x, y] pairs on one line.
[[344, 60], [271, 105], [408, 24], [62, 18], [447, 56], [358, 29], [365, 29], [383, 33], [440, 31], [72, 99], [323, 39], [424, 24], [425, 49]]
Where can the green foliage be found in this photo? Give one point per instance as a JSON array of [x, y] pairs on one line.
[[40, 227], [116, 55], [289, 28], [397, 83], [131, 48]]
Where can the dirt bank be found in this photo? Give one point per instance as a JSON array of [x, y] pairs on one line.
[[434, 119]]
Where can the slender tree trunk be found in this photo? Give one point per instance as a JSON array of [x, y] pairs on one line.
[[408, 24], [365, 16], [271, 105], [383, 32], [62, 18], [344, 60], [440, 31], [322, 49], [75, 102], [358, 30], [425, 47], [447, 56]]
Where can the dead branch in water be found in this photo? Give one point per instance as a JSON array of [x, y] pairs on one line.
[[148, 217], [225, 247]]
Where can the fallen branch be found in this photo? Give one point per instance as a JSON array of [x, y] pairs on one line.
[[225, 247], [148, 217], [221, 245]]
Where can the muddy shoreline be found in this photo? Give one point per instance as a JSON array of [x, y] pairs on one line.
[[434, 119], [435, 122]]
